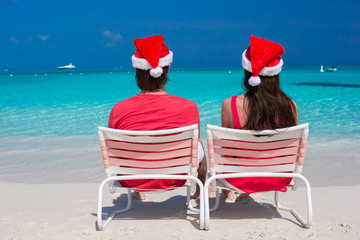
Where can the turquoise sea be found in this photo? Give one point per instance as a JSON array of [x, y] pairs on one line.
[[49, 119]]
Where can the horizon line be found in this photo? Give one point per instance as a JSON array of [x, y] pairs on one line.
[[131, 69]]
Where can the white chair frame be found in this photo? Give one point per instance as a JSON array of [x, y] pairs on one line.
[[297, 132], [113, 167]]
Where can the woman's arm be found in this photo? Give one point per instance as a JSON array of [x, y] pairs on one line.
[[227, 119]]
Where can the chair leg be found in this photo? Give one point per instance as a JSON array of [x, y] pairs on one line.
[[202, 208], [206, 205], [102, 224], [188, 193], [201, 201], [207, 208], [188, 202], [306, 224], [217, 200]]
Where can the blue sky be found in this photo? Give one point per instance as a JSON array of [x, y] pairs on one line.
[[41, 34]]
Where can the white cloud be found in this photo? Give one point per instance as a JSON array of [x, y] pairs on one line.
[[14, 40], [43, 37], [111, 39]]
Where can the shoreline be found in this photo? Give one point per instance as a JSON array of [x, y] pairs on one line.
[[77, 159], [58, 211]]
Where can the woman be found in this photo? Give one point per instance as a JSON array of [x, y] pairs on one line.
[[263, 106]]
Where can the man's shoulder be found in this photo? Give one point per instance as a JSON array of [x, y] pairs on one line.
[[183, 103], [182, 100], [126, 102]]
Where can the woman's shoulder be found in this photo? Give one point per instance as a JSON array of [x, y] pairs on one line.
[[227, 107], [227, 101], [239, 99]]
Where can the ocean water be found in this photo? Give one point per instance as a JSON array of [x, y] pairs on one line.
[[49, 119]]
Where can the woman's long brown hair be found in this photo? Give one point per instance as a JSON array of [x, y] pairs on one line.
[[267, 105]]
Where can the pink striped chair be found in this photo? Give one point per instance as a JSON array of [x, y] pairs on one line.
[[270, 153], [129, 152]]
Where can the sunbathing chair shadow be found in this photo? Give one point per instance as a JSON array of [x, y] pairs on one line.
[[247, 209], [173, 208]]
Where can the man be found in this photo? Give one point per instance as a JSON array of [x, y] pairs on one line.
[[153, 108]]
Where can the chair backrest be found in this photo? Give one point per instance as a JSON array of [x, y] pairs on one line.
[[280, 150], [171, 151]]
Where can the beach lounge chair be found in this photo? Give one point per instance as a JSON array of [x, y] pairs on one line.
[[161, 154], [270, 153]]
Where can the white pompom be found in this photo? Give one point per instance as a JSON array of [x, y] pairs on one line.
[[254, 81], [156, 72]]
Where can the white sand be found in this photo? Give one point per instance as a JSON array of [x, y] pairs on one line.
[[68, 211], [63, 209]]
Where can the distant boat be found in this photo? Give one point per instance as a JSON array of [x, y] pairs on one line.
[[70, 66], [332, 69], [322, 68]]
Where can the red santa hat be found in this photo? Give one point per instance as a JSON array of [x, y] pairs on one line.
[[263, 58], [151, 53]]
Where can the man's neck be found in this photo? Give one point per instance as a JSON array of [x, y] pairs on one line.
[[160, 91]]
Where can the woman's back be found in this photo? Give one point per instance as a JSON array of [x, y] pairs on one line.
[[235, 111]]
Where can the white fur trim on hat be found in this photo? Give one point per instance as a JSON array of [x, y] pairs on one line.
[[254, 81], [143, 64], [267, 71], [156, 72]]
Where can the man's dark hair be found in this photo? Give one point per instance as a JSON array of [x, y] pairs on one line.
[[148, 83]]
